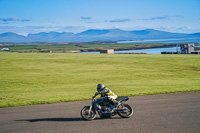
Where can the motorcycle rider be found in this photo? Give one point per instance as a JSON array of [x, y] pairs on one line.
[[107, 94]]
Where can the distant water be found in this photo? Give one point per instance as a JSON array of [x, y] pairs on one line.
[[183, 40], [155, 50], [148, 51], [151, 51]]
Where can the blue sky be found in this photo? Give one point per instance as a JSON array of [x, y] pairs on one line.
[[33, 16]]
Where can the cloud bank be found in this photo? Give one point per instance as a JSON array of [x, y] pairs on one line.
[[6, 20], [162, 17], [119, 20], [86, 18]]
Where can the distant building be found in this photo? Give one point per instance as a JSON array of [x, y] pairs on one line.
[[5, 49], [107, 51], [189, 48]]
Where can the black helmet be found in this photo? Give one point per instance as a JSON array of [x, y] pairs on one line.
[[100, 87]]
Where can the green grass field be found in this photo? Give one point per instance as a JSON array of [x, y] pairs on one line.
[[38, 78]]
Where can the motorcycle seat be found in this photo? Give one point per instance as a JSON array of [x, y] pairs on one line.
[[122, 98]]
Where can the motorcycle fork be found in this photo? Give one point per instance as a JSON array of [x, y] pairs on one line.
[[90, 108]]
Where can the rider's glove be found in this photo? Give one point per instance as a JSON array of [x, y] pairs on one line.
[[97, 93]]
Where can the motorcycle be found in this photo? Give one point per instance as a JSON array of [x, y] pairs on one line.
[[106, 109]]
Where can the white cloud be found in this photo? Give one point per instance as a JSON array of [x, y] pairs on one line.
[[182, 29], [86, 18], [118, 20], [165, 17], [11, 19]]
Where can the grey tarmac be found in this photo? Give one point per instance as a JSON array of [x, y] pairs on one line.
[[164, 113]]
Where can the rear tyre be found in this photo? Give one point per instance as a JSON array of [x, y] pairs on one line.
[[85, 113], [127, 112]]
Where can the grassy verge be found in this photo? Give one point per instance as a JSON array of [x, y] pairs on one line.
[[37, 78]]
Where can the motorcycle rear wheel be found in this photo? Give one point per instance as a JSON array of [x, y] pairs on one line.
[[85, 113], [128, 112]]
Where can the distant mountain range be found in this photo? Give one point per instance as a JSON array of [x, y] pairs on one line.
[[95, 35]]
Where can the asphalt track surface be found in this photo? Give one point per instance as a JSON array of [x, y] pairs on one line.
[[166, 113]]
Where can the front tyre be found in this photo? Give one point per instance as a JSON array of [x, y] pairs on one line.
[[85, 113], [126, 112]]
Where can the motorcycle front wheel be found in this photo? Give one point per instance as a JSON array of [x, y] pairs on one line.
[[126, 112], [85, 113]]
